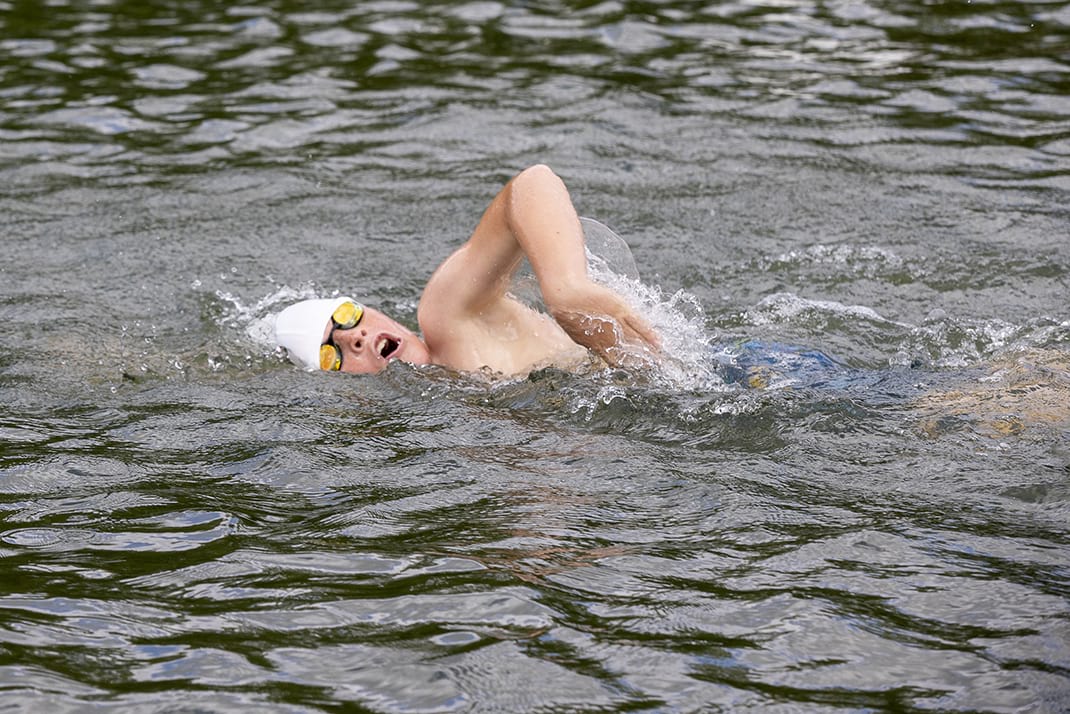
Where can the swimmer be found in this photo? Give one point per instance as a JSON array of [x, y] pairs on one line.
[[468, 320]]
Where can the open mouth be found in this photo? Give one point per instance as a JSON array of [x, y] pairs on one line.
[[387, 347]]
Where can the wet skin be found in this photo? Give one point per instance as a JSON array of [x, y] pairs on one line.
[[370, 345]]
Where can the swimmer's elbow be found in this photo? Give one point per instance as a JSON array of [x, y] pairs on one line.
[[538, 170], [535, 175]]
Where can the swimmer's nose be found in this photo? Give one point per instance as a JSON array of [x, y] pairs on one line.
[[356, 338]]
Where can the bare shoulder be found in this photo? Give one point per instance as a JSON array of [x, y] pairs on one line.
[[507, 337]]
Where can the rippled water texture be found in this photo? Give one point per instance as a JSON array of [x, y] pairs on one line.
[[850, 491]]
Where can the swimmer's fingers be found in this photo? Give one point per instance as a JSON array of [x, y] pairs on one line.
[[636, 329], [599, 319], [640, 347]]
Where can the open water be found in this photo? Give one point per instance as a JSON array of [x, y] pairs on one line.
[[850, 491]]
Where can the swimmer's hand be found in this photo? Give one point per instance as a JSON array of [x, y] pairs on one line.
[[600, 320]]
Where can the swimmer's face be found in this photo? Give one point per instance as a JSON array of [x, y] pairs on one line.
[[374, 342]]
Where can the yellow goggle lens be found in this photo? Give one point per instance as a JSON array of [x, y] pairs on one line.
[[347, 315], [330, 358]]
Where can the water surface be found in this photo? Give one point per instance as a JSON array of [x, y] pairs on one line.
[[852, 492]]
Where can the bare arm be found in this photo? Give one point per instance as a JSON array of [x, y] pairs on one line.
[[533, 216]]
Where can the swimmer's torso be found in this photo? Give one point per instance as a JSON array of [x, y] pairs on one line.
[[507, 337]]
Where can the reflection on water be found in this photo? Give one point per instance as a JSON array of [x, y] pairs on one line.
[[848, 491]]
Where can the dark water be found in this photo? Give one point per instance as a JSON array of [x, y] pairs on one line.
[[188, 523]]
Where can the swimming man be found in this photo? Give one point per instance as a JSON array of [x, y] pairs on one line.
[[468, 319]]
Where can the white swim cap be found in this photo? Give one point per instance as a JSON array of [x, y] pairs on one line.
[[299, 328]]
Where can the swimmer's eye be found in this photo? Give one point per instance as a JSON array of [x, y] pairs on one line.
[[330, 358], [347, 315]]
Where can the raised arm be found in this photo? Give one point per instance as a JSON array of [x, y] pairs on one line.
[[533, 216]]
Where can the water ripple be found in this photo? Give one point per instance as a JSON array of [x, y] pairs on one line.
[[848, 489]]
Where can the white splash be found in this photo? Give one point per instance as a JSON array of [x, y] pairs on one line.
[[784, 307], [679, 319], [257, 321]]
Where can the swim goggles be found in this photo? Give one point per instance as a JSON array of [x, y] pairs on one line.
[[347, 315]]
